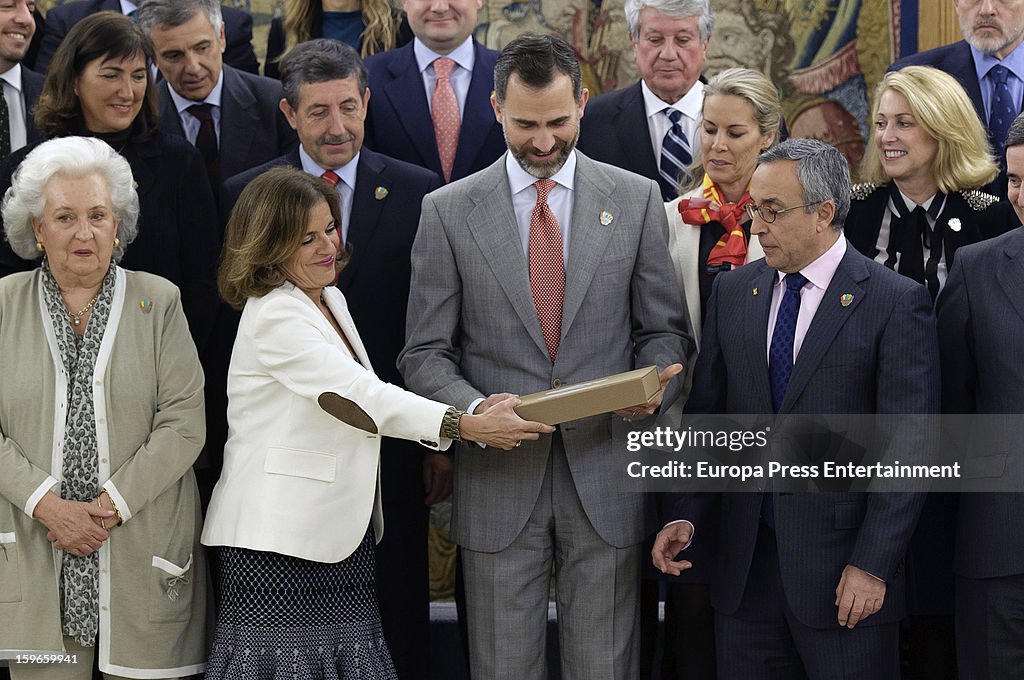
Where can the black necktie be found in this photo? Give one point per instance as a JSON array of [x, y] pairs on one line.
[[911, 236], [5, 125], [206, 141]]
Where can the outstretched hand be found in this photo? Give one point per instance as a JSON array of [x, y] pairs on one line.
[[499, 426], [641, 411], [668, 543]]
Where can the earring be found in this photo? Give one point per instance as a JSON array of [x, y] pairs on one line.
[[39, 246], [117, 242]]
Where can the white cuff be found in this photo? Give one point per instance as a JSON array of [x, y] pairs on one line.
[[49, 484], [122, 505]]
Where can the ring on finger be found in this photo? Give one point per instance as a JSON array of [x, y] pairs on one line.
[[518, 443]]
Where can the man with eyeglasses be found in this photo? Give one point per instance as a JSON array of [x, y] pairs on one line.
[[809, 585]]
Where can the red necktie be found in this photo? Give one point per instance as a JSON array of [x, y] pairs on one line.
[[331, 178], [444, 109], [547, 270]]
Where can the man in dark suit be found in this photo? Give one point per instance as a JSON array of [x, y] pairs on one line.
[[409, 96], [21, 87], [232, 117], [809, 584], [989, 63], [60, 19], [981, 323], [650, 128], [325, 101]]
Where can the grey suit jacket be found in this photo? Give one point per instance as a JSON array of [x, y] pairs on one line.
[[472, 331], [252, 128]]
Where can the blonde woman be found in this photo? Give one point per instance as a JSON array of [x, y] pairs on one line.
[[369, 26], [921, 199]]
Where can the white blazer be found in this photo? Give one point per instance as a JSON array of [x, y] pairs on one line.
[[684, 246], [297, 481]]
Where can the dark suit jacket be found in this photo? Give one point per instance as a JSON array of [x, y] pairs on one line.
[[60, 19], [957, 61], [276, 38], [399, 125], [253, 129], [614, 131], [29, 60], [981, 323], [982, 217], [178, 237], [376, 280], [879, 354], [32, 87]]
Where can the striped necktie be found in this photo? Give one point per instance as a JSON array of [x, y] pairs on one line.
[[675, 155]]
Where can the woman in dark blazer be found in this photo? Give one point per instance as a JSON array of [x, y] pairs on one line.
[[930, 151], [99, 85], [369, 26]]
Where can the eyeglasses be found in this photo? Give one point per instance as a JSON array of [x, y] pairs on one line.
[[768, 215]]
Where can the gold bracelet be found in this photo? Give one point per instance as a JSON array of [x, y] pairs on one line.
[[450, 424], [113, 505], [103, 520]]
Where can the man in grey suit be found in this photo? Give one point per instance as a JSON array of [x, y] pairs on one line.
[[545, 269], [232, 117], [809, 585], [981, 323]]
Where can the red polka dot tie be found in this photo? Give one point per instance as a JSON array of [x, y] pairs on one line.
[[445, 112], [547, 270]]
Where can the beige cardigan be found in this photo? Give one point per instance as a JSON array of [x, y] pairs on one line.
[[148, 397]]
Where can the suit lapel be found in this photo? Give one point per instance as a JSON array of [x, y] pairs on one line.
[[634, 134], [492, 222], [336, 303], [757, 305], [1010, 274], [170, 121], [238, 118], [827, 321], [477, 120], [588, 238], [366, 209], [405, 92], [960, 64]]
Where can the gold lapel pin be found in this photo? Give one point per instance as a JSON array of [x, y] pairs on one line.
[[606, 218], [146, 305], [380, 193], [845, 299], [755, 291]]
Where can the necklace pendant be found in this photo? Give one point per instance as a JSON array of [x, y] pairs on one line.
[[77, 320]]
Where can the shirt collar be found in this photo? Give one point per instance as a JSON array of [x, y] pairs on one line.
[[464, 55], [347, 172], [1014, 61], [127, 7], [181, 104], [13, 77], [933, 206], [689, 105], [821, 271], [519, 179]]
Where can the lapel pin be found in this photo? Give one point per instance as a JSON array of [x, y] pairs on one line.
[[954, 223], [755, 291], [146, 305], [845, 299], [380, 193], [606, 218]]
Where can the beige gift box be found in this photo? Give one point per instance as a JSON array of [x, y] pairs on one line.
[[603, 395]]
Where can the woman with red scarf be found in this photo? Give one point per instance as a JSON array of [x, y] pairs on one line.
[[709, 232]]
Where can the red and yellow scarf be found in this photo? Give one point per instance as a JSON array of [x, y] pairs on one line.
[[732, 246]]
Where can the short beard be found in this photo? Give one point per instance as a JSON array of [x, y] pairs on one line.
[[989, 47], [543, 169]]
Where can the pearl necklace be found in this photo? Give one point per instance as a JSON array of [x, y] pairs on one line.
[[77, 318]]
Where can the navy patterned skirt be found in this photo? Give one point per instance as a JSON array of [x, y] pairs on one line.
[[281, 617]]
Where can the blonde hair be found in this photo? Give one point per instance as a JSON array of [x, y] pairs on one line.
[[941, 107], [752, 86], [265, 229], [380, 22]]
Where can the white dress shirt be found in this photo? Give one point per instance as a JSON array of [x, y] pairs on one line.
[[464, 57], [524, 199], [658, 123], [189, 123], [15, 98], [346, 185]]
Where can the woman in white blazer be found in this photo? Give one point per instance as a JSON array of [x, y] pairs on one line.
[[709, 232], [297, 507]]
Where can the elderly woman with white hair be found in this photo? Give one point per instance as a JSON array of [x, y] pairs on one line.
[[101, 417]]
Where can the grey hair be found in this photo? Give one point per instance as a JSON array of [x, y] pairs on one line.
[[673, 8], [1015, 135], [174, 13], [67, 157], [822, 171], [319, 61]]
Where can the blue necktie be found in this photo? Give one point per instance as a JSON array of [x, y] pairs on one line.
[[780, 362], [1004, 109], [675, 156]]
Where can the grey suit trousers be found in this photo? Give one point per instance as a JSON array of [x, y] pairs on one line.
[[596, 593]]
